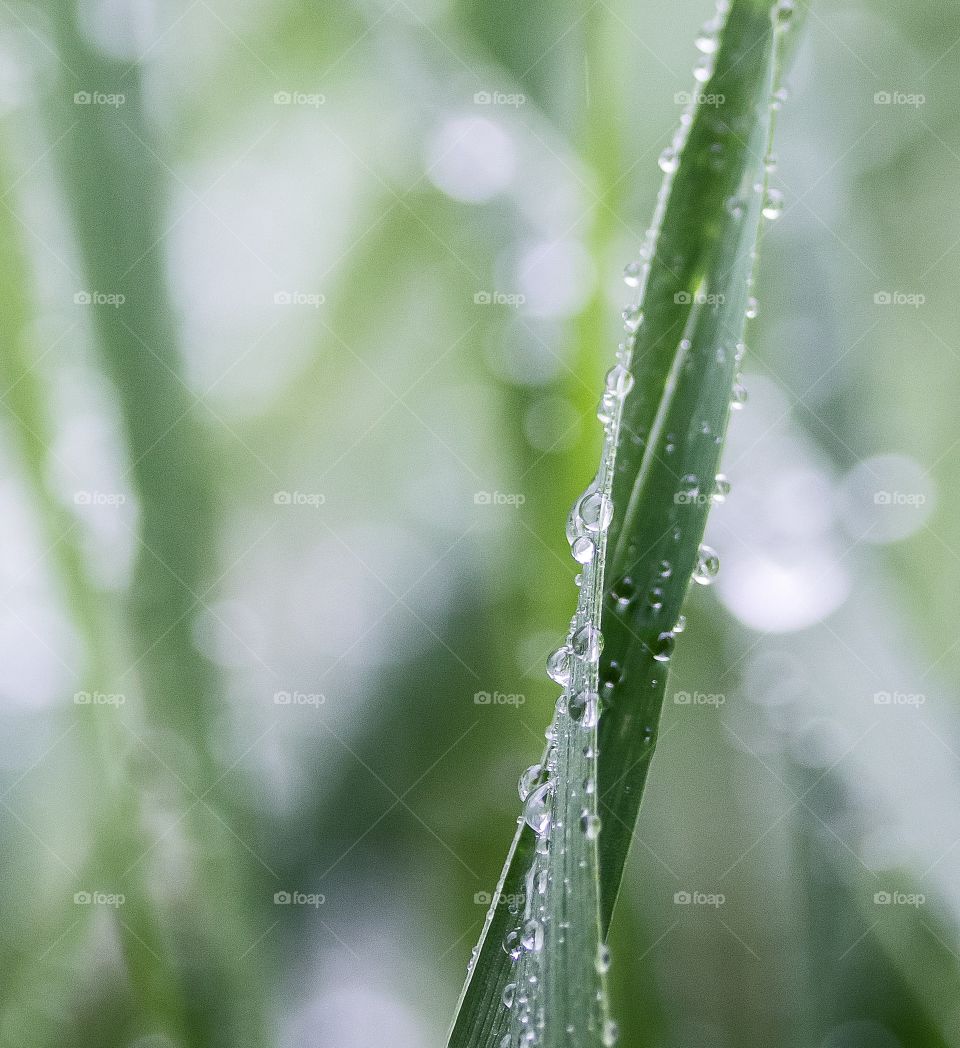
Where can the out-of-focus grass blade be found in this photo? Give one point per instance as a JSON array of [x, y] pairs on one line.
[[537, 974]]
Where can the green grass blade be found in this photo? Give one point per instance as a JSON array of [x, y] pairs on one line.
[[664, 440], [685, 357]]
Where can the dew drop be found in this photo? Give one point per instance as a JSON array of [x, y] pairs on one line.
[[708, 564], [532, 938], [528, 780], [666, 569], [590, 825], [669, 161], [721, 488], [536, 810], [681, 624], [664, 647], [707, 43], [583, 551], [511, 944], [751, 311], [585, 708], [739, 397], [558, 661], [632, 273], [611, 1034], [602, 962], [619, 381], [509, 994], [596, 511], [632, 318], [587, 643], [773, 205]]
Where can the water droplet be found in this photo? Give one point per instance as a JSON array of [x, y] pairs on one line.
[[751, 311], [619, 381], [511, 944], [623, 591], [632, 318], [536, 811], [607, 408], [707, 43], [702, 70], [509, 993], [785, 11], [583, 552], [587, 643], [596, 511], [528, 780], [612, 674], [532, 938], [664, 647], [681, 624], [773, 205], [590, 825], [558, 661], [655, 598], [611, 1034], [585, 708], [739, 397], [669, 161], [632, 274], [602, 963], [735, 206], [708, 564], [721, 488]]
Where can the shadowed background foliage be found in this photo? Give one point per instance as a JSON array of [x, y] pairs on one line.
[[303, 317]]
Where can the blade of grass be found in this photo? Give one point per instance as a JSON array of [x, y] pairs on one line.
[[695, 291]]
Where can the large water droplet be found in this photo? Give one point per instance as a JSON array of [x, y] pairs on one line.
[[708, 564], [509, 994], [664, 647], [558, 663], [532, 938], [752, 308], [632, 274], [536, 811], [596, 511], [583, 551], [528, 780], [721, 488], [739, 397], [602, 963], [619, 381], [585, 708], [610, 1035], [587, 643], [669, 161], [590, 825], [773, 205]]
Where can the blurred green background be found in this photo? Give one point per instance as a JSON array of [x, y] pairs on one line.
[[304, 310]]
